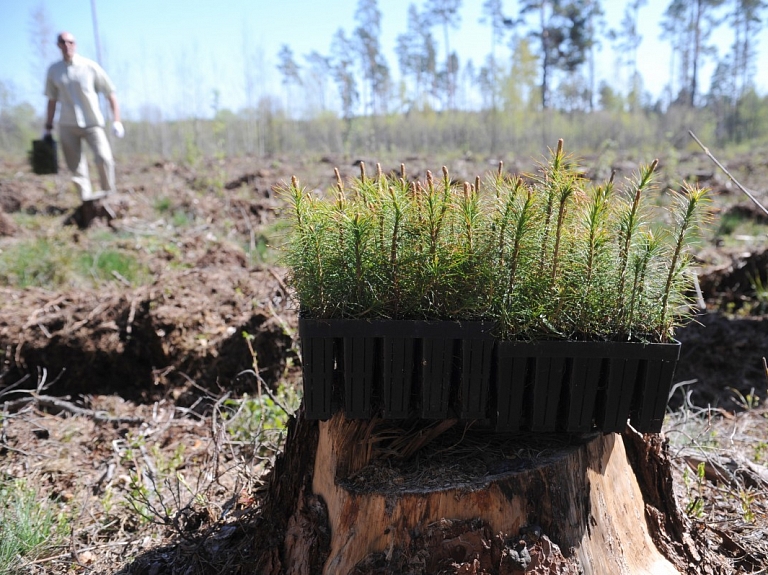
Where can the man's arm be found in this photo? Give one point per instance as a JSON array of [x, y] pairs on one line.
[[117, 125], [114, 106], [50, 114]]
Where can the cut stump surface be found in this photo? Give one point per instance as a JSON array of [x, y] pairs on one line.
[[579, 504]]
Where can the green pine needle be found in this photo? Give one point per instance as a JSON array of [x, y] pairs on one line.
[[546, 257]]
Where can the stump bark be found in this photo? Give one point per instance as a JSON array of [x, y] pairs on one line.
[[476, 504]]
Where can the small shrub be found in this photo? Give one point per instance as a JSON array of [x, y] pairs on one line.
[[760, 301], [248, 417], [55, 262], [180, 219]]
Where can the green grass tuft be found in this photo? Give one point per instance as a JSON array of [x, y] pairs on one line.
[[29, 523], [111, 264], [38, 263], [53, 263]]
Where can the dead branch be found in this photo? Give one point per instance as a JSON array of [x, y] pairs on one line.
[[726, 470], [49, 402], [727, 173], [93, 313], [131, 317], [43, 310], [279, 281]]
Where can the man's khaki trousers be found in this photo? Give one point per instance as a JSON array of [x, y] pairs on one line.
[[71, 138]]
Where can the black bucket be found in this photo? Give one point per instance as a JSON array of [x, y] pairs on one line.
[[43, 157]]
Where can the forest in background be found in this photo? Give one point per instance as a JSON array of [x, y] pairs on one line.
[[536, 85]]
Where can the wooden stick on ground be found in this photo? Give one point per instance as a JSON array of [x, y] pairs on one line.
[[47, 401], [727, 173]]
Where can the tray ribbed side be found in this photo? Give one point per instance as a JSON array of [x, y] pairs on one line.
[[317, 370], [615, 395], [582, 386], [512, 376], [579, 393], [398, 354], [436, 377], [359, 358], [436, 370], [652, 394], [475, 377], [547, 385]]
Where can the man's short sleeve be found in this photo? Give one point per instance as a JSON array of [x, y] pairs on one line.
[[102, 82], [51, 91]]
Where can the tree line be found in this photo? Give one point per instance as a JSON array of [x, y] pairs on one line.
[[553, 45], [538, 83]]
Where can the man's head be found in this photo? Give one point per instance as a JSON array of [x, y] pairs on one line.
[[66, 43]]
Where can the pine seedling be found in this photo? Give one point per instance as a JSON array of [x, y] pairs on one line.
[[629, 222], [514, 301], [473, 285], [549, 182], [505, 200], [497, 181], [565, 193], [381, 186], [296, 194], [595, 221], [545, 259], [650, 248], [341, 204], [687, 207], [469, 210], [436, 205], [522, 226], [595, 224], [305, 257], [397, 216], [358, 229]]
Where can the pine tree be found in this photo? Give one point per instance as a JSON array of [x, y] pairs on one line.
[[563, 32], [417, 58], [372, 61], [689, 25], [446, 13]]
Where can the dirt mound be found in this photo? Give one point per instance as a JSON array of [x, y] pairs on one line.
[[146, 342], [742, 280], [721, 360]]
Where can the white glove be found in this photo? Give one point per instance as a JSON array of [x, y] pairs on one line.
[[117, 129]]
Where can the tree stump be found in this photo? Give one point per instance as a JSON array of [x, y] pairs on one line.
[[478, 503]]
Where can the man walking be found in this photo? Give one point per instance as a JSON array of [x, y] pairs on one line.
[[75, 83]]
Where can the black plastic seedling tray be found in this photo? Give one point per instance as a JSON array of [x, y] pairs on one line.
[[400, 369]]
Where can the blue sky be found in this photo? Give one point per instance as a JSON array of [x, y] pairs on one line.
[[170, 55]]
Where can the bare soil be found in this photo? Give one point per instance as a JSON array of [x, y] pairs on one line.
[[115, 397]]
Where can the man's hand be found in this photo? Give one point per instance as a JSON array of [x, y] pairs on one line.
[[117, 129]]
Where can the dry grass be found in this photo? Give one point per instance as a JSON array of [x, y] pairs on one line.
[[720, 467], [170, 475]]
